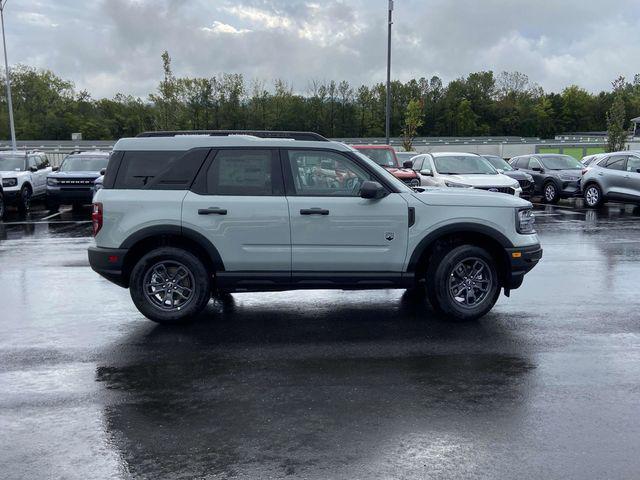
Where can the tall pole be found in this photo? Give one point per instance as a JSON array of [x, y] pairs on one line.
[[6, 67], [387, 126]]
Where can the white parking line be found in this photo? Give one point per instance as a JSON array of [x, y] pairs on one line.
[[56, 214]]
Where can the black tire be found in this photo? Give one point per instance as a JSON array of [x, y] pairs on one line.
[[24, 202], [153, 305], [550, 193], [2, 206], [593, 196], [442, 274]]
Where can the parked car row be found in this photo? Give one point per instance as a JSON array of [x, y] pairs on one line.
[[27, 176], [597, 178]]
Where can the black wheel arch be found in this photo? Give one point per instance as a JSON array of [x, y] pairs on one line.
[[142, 241], [495, 242]]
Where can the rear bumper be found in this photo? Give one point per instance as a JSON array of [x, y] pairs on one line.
[[109, 263], [521, 261]]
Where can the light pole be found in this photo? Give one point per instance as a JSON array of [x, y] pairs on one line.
[[6, 66], [387, 124]]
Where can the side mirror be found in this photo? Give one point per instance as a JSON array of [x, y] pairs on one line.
[[637, 170], [103, 171], [33, 169], [537, 169], [372, 190], [407, 164], [426, 172], [55, 169], [501, 171]]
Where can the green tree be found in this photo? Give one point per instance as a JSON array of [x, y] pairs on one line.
[[616, 118], [413, 120]]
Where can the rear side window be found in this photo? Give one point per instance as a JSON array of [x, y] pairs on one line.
[[245, 172], [616, 162], [159, 170]]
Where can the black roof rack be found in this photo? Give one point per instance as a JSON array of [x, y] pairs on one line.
[[309, 136]]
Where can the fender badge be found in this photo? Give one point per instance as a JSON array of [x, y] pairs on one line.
[[389, 235]]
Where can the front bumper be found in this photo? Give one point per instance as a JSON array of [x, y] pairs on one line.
[[109, 262], [521, 261], [70, 195], [570, 189]]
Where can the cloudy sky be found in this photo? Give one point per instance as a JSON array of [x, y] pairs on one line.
[[109, 46]]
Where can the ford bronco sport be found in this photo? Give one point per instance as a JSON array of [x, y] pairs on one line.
[[183, 215]]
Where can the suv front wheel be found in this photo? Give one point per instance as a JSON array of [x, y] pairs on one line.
[[170, 285], [463, 283]]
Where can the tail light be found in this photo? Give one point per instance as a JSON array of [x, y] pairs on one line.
[[96, 217]]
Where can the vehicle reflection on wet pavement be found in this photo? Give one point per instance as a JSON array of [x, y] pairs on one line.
[[323, 384]]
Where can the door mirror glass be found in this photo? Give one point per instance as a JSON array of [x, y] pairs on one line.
[[426, 172], [407, 164], [537, 169], [372, 190], [33, 168], [55, 169], [103, 171]]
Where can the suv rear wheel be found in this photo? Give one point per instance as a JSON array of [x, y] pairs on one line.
[[463, 283], [1, 206], [170, 285], [593, 196]]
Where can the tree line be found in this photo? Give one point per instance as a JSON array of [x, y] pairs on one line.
[[48, 107]]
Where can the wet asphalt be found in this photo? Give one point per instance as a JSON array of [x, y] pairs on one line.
[[322, 384]]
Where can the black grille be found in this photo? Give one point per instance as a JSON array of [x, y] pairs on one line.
[[524, 184], [508, 190]]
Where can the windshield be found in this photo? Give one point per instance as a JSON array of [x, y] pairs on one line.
[[84, 164], [11, 164], [381, 156], [463, 165], [498, 162], [561, 162]]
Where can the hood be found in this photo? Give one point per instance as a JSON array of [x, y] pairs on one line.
[[572, 172], [445, 196], [401, 172], [480, 180], [516, 175]]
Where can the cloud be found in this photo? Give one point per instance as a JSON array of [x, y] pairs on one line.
[[106, 46]]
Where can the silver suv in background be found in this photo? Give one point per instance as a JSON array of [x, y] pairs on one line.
[[615, 176]]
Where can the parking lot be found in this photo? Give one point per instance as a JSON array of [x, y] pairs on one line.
[[322, 384]]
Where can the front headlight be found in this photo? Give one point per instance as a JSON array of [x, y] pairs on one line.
[[525, 221], [457, 185], [9, 182], [52, 182]]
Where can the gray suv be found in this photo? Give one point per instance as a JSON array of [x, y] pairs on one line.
[[182, 215], [555, 176], [616, 176]]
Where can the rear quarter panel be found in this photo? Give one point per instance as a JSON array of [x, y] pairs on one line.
[[128, 211]]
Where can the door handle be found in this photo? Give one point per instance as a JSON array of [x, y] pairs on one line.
[[314, 211], [212, 211]]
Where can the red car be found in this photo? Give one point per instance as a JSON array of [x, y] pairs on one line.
[[385, 156]]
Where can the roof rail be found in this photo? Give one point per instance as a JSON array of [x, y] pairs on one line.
[[309, 136]]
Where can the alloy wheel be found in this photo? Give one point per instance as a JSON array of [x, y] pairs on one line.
[[592, 196], [470, 282], [169, 285], [549, 192], [26, 200]]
